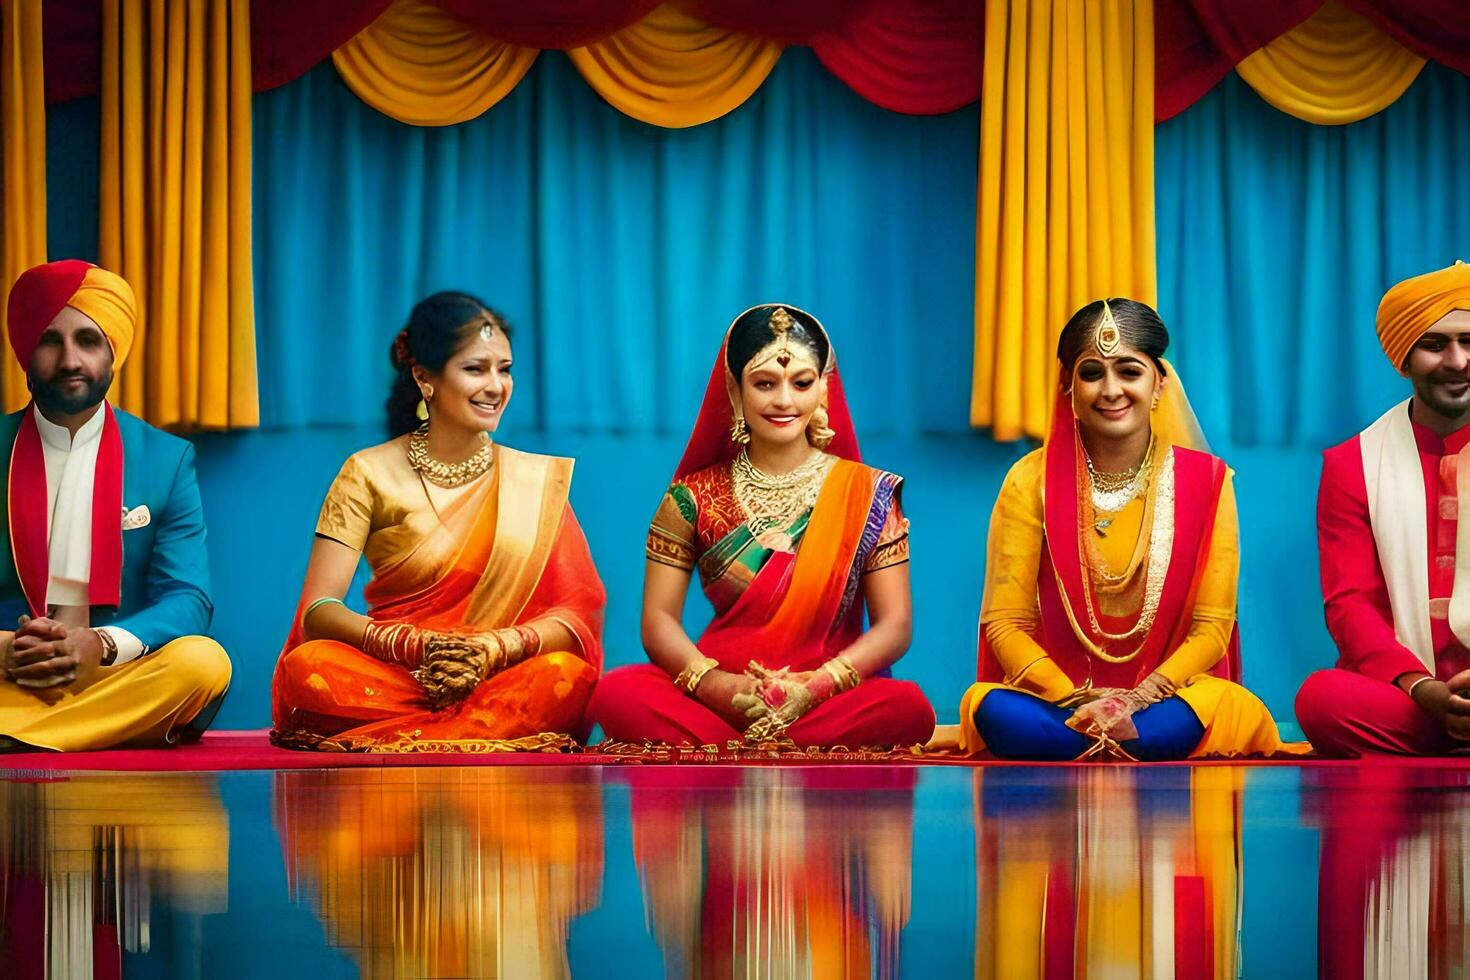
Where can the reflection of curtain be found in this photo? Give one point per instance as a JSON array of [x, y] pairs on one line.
[[22, 164], [175, 206], [1277, 238], [620, 250]]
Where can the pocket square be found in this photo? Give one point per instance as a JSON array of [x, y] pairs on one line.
[[136, 518]]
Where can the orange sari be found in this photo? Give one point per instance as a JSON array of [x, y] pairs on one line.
[[507, 552]]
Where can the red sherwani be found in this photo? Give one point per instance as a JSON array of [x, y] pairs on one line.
[[1356, 707]]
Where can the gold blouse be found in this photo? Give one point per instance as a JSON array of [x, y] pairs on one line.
[[1010, 613], [380, 506]]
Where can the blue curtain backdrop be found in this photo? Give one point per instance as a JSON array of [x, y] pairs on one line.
[[621, 250]]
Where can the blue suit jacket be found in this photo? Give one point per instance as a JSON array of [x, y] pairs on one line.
[[165, 573]]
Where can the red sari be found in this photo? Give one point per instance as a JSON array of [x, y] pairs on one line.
[[797, 611], [508, 553]]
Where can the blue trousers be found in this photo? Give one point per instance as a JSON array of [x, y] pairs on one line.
[[1017, 725]]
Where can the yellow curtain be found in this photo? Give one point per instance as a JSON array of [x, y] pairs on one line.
[[672, 69], [423, 67], [1335, 67], [175, 205], [1066, 198], [22, 165]]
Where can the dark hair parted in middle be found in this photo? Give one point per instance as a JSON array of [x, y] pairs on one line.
[[752, 332], [437, 327], [1138, 325]]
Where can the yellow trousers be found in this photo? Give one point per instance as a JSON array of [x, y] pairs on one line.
[[140, 703]]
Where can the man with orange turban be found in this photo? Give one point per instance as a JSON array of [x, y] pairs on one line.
[[1393, 525], [108, 579]]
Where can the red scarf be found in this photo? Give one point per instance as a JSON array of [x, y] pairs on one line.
[[29, 533]]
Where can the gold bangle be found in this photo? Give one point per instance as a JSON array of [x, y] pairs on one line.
[[692, 674], [843, 673]]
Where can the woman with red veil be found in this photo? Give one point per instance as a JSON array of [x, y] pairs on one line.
[[1108, 623], [794, 539]]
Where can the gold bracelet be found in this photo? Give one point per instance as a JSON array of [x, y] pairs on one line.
[[843, 673], [691, 675]]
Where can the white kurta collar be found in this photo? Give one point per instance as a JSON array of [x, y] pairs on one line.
[[59, 437]]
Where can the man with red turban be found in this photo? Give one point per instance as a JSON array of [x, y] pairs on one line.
[[1393, 524], [107, 580]]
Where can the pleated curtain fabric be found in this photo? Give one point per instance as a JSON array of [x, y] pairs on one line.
[[23, 159], [419, 65], [1336, 67], [175, 205], [1066, 208]]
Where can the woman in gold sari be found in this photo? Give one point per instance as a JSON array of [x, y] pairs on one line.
[[794, 539], [484, 620], [1108, 623]]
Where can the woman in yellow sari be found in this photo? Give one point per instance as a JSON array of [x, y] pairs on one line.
[[484, 620], [1108, 623]]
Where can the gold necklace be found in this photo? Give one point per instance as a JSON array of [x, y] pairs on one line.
[[448, 475], [776, 500], [1160, 549]]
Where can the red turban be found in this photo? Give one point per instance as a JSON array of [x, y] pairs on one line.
[[41, 292]]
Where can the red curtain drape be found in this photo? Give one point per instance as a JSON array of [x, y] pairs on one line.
[[922, 57], [918, 57], [550, 24], [1434, 29], [1198, 42]]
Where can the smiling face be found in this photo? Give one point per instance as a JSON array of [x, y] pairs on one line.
[[1439, 366], [1113, 396], [71, 368], [778, 400], [473, 388]]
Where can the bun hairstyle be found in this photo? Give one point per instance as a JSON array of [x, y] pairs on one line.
[[1138, 325], [752, 332], [437, 327]]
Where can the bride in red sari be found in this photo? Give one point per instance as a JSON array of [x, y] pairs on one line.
[[793, 538], [484, 620]]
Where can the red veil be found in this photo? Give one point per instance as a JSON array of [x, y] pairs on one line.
[[710, 442]]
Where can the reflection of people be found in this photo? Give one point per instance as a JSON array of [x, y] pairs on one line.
[[445, 872], [794, 539], [1395, 570], [105, 565], [1108, 621], [768, 872], [1393, 884], [86, 865], [485, 610], [1107, 872]]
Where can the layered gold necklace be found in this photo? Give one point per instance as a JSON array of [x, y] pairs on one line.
[[1111, 492], [774, 501], [448, 475]]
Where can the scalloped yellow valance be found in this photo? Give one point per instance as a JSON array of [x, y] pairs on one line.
[[1336, 67], [419, 65], [672, 69]]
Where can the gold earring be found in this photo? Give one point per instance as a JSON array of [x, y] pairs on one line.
[[422, 412], [739, 431], [819, 430]]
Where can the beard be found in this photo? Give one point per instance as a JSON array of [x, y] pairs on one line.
[[51, 398]]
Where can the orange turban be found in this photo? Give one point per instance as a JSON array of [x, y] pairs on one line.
[[40, 293], [1409, 309]]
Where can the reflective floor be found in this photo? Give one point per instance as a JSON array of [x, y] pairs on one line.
[[548, 870]]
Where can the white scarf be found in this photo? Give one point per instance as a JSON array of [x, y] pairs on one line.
[[1396, 508]]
